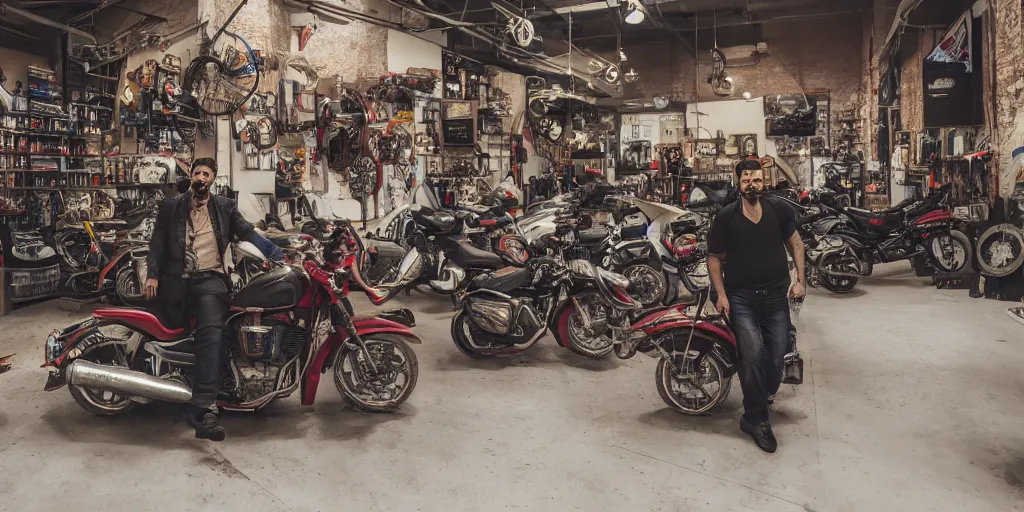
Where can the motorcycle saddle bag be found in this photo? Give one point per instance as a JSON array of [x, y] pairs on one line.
[[504, 317]]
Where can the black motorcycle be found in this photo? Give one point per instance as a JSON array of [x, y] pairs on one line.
[[507, 311]]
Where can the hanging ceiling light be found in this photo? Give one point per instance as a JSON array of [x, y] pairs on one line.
[[634, 12]]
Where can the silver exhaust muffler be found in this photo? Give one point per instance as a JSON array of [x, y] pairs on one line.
[[126, 382]]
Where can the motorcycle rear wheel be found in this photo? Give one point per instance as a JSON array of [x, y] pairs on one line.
[[835, 284], [98, 402], [353, 378], [713, 372], [462, 333], [127, 288]]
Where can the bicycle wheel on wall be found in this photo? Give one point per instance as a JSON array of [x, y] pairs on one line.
[[217, 88]]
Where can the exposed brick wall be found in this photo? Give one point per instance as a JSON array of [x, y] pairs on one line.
[[824, 54], [1009, 87], [357, 52]]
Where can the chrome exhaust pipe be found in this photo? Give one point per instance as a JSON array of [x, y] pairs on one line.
[[126, 382]]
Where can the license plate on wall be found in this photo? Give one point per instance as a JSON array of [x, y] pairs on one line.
[[28, 284]]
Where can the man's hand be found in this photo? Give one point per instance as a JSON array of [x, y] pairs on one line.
[[723, 306], [151, 285], [797, 291]]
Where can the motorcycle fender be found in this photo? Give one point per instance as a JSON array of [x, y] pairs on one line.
[[651, 259], [698, 338], [559, 324], [114, 263], [365, 326]]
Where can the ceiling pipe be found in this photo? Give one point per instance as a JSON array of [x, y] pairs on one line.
[[18, 33], [5, 9]]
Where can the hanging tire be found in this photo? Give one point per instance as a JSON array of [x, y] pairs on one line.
[[398, 371], [951, 253], [1000, 250]]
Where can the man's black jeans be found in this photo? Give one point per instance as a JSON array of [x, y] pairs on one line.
[[760, 321], [207, 300]]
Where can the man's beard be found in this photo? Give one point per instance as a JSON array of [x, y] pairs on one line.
[[200, 189], [751, 194]]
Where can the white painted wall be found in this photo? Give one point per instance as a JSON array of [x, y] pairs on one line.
[[733, 117]]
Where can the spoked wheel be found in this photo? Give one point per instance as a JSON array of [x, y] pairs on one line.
[[73, 248], [129, 289], [1001, 250], [950, 252], [835, 284], [100, 402], [646, 284], [383, 385], [595, 342], [221, 89], [692, 391]]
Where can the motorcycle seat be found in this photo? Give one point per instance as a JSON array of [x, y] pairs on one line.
[[504, 280], [876, 221], [436, 221], [140, 320], [468, 256]]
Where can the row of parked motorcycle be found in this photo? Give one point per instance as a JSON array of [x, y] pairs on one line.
[[602, 272]]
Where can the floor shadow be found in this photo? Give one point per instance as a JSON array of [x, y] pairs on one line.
[[346, 424], [783, 415], [158, 425], [856, 292], [567, 357], [718, 422]]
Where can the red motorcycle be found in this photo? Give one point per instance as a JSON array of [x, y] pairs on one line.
[[697, 348], [286, 327]]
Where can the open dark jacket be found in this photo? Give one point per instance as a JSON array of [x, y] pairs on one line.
[[166, 261]]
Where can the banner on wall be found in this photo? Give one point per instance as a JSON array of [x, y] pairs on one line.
[[955, 46]]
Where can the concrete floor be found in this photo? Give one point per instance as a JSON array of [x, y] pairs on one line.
[[912, 401]]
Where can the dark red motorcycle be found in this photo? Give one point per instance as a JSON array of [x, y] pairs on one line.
[[286, 327]]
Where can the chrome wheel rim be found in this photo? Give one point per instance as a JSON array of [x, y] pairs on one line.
[[949, 253], [697, 392], [586, 340], [385, 386], [646, 284]]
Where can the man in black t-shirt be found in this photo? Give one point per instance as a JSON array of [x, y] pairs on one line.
[[748, 241]]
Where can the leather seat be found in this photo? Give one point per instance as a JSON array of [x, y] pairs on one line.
[[504, 280], [467, 256], [876, 221], [139, 319]]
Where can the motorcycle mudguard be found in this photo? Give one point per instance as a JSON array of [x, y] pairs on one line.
[[114, 263], [365, 326], [559, 324], [696, 338]]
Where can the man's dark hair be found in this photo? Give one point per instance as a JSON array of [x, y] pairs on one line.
[[207, 161], [747, 165]]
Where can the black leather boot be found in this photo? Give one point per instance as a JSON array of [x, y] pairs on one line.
[[762, 434], [204, 420]]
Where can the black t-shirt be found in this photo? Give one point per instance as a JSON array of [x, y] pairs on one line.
[[755, 254]]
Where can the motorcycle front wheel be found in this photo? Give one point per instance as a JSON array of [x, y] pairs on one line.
[[951, 253], [695, 394], [596, 344], [379, 379]]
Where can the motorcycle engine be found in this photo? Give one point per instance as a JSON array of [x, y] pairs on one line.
[[265, 349]]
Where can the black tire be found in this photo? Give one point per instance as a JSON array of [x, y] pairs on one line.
[[959, 242], [458, 331], [652, 281], [388, 405], [125, 284], [1007, 233], [663, 374], [101, 403], [838, 284]]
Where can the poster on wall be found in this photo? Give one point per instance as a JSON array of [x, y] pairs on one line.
[[955, 46]]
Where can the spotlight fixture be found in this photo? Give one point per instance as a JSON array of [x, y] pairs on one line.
[[747, 95], [634, 12]]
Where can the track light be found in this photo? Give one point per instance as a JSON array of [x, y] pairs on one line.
[[634, 13]]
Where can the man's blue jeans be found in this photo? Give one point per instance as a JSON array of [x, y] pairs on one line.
[[760, 321]]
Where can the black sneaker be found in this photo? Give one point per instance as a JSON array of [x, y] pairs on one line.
[[206, 424], [762, 434]]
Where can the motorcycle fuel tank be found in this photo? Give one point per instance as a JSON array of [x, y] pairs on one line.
[[279, 288]]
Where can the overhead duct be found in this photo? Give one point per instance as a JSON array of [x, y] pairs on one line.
[[7, 9]]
